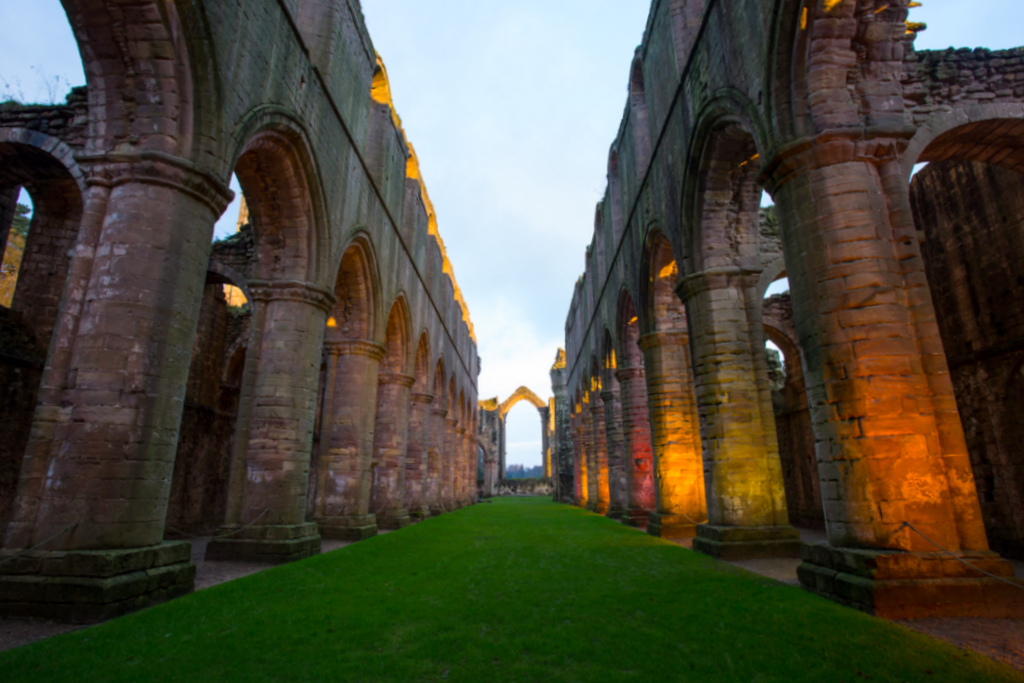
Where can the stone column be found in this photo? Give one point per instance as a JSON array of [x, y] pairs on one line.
[[562, 448], [391, 434], [636, 427], [591, 475], [469, 488], [267, 497], [889, 450], [747, 515], [448, 459], [435, 459], [97, 471], [617, 495], [460, 467], [675, 434], [343, 490], [416, 457], [581, 494], [597, 418]]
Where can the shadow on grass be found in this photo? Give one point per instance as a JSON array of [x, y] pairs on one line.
[[519, 590]]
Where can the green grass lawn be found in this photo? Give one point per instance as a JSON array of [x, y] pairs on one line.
[[517, 590]]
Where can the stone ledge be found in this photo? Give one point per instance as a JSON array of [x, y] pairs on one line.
[[89, 592], [747, 542], [884, 583], [393, 520]]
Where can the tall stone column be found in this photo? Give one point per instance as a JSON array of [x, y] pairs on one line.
[[390, 440], [448, 460], [889, 450], [747, 514], [435, 460], [675, 434], [590, 448], [582, 492], [636, 427], [471, 466], [617, 493], [417, 482], [562, 448], [597, 418], [343, 488], [97, 471], [268, 488]]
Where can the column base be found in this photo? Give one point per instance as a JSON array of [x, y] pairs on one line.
[[419, 512], [665, 525], [272, 544], [747, 542], [602, 508], [351, 528], [903, 585], [392, 520], [436, 510], [591, 506], [86, 586], [615, 512], [637, 518]]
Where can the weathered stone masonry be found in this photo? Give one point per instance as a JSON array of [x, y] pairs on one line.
[[143, 405], [826, 105]]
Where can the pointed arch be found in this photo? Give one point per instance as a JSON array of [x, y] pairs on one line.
[[520, 394], [396, 339], [354, 314], [421, 365], [663, 311], [630, 355]]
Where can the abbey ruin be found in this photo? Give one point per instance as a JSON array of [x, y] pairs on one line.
[[315, 375], [896, 425]]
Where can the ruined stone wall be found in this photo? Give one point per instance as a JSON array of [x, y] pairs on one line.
[[972, 219]]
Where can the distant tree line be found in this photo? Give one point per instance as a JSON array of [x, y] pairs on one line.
[[523, 472]]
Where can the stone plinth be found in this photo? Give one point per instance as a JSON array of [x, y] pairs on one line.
[[350, 528], [86, 586], [912, 585], [664, 525], [747, 542], [273, 544]]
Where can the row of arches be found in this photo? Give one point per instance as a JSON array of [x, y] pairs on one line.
[[312, 375], [859, 430]]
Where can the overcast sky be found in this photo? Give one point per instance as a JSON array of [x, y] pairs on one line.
[[512, 107]]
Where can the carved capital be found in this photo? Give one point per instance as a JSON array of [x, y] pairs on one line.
[[729, 277], [874, 145], [627, 374], [425, 399], [396, 378], [356, 347], [112, 169], [292, 290], [439, 411]]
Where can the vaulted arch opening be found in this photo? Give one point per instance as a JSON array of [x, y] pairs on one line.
[[391, 430], [969, 213], [636, 419], [416, 458]]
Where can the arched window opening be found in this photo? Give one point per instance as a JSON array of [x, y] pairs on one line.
[[639, 119], [524, 457], [20, 219], [969, 216]]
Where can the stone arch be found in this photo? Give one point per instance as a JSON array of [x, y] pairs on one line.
[[629, 332], [421, 364], [789, 52], [129, 56], [639, 117], [520, 394], [992, 134], [663, 311], [54, 181], [615, 195], [396, 339], [283, 188], [354, 316]]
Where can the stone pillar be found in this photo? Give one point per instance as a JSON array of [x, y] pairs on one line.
[[460, 467], [582, 493], [589, 440], [97, 471], [617, 492], [448, 459], [435, 460], [470, 489], [636, 427], [746, 497], [391, 434], [675, 434], [416, 456], [890, 451], [343, 488], [267, 499], [597, 418], [562, 448]]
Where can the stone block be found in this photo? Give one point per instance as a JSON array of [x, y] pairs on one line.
[[273, 544], [88, 586], [747, 543], [670, 526], [352, 528]]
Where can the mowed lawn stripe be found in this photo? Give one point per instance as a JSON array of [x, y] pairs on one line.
[[516, 590]]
